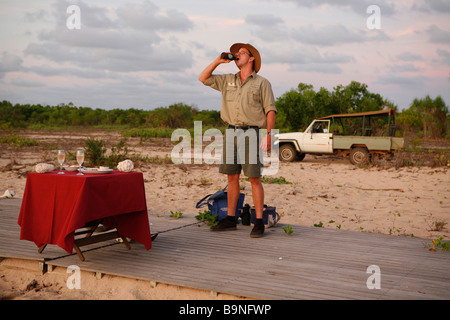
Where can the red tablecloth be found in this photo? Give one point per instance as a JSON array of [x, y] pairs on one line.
[[54, 206]]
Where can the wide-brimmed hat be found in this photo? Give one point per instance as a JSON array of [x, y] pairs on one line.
[[235, 48]]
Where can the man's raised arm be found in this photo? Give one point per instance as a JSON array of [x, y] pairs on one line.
[[210, 69]]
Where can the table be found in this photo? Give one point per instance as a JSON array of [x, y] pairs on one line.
[[55, 206]]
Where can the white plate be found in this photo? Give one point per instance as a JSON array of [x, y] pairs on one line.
[[96, 171], [71, 168]]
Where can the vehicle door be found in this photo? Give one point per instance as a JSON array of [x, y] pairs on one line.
[[318, 138]]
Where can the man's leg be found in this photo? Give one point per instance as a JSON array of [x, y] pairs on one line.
[[253, 171], [233, 193], [229, 223], [233, 171], [258, 201], [258, 196]]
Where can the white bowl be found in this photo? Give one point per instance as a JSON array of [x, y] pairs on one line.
[[71, 168]]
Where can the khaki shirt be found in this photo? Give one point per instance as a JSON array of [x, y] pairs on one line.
[[244, 104]]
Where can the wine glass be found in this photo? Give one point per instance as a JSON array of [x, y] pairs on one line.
[[61, 157], [80, 160]]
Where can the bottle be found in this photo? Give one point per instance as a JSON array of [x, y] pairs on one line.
[[246, 215], [228, 56]]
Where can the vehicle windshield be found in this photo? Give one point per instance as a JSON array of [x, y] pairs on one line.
[[320, 126]]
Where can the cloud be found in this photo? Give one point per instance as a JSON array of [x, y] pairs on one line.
[[147, 16], [268, 27], [100, 38], [406, 81], [409, 56], [265, 20], [24, 83], [317, 67], [327, 35], [333, 35], [160, 58], [358, 6], [91, 16], [9, 63], [147, 53], [408, 67], [124, 39], [309, 59], [38, 16], [442, 6], [46, 70], [272, 34], [129, 92], [437, 35], [433, 6], [444, 55]]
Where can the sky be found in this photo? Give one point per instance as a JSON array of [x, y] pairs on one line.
[[147, 54]]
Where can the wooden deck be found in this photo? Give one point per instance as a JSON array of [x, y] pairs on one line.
[[312, 263]]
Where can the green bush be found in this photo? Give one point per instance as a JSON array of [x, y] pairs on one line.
[[94, 151], [15, 140]]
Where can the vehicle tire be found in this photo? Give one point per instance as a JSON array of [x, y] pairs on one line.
[[288, 153], [359, 156], [301, 156]]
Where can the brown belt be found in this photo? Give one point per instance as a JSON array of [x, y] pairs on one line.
[[242, 127]]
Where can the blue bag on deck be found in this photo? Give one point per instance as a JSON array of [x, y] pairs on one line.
[[270, 216], [218, 203]]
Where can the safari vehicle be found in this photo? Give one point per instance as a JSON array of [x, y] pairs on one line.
[[358, 136]]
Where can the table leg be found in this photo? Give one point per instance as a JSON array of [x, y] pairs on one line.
[[126, 243], [79, 253], [78, 243], [42, 248], [90, 238], [92, 227]]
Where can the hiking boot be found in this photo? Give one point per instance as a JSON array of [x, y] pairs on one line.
[[228, 223], [258, 229]]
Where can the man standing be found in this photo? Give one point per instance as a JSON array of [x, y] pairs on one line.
[[248, 103]]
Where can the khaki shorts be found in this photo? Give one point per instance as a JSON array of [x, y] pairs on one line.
[[243, 153]]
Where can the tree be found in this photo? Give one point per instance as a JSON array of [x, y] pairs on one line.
[[408, 120], [175, 116], [209, 118], [298, 107], [431, 114], [295, 108], [356, 97]]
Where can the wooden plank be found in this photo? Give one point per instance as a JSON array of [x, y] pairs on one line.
[[312, 263], [314, 280], [96, 239]]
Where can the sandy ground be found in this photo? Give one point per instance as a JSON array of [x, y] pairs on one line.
[[324, 191]]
